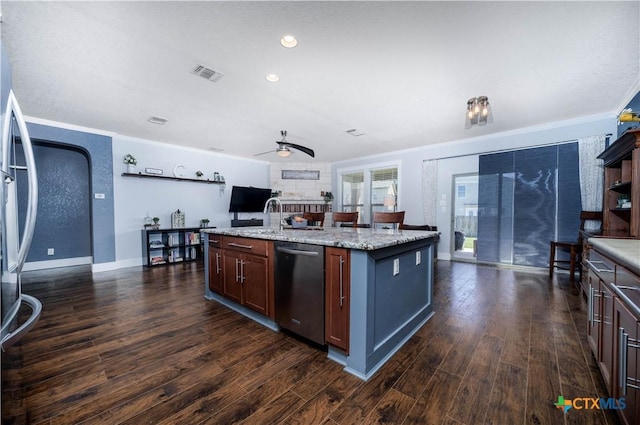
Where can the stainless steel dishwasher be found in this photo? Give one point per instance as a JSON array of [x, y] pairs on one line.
[[299, 289]]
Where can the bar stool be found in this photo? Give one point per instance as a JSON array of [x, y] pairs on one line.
[[314, 217], [389, 218], [345, 217]]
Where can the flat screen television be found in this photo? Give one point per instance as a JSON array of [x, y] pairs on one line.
[[248, 199]]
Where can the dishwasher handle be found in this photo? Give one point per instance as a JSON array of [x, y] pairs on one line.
[[297, 252]]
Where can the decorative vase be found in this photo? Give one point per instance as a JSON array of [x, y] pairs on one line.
[[131, 169]]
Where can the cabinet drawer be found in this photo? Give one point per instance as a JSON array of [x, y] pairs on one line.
[[252, 246], [215, 241], [602, 266]]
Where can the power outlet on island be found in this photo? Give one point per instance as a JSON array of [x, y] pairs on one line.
[[396, 266], [418, 258], [50, 251]]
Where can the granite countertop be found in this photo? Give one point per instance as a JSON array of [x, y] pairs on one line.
[[343, 237], [625, 251]]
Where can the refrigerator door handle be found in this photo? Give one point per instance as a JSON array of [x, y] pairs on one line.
[[13, 337], [32, 201]]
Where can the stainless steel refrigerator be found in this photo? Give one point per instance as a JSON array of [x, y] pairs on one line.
[[16, 227]]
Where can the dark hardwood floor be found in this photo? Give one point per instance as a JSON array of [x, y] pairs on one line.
[[142, 346]]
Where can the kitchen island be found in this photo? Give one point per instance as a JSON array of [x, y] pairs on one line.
[[378, 284]]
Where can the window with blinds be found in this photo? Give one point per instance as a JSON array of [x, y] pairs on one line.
[[352, 192], [369, 190]]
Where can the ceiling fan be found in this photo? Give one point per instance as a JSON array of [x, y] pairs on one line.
[[284, 150]]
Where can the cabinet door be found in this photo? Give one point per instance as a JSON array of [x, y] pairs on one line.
[[215, 270], [255, 278], [231, 269], [337, 289], [627, 358], [593, 313], [607, 336]]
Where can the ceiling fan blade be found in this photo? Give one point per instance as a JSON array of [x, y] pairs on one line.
[[263, 153], [304, 149]]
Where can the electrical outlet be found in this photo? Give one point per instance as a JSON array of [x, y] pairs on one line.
[[50, 251], [418, 258], [396, 266]]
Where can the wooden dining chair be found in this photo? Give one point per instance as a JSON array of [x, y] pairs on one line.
[[573, 247], [314, 218], [345, 217], [388, 218]]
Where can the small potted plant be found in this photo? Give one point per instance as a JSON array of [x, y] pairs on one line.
[[328, 197], [204, 222], [131, 162], [199, 174], [156, 222]]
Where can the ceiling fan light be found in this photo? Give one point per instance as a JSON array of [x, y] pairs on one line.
[[283, 151]]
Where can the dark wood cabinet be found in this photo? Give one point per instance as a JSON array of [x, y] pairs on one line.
[[614, 330], [607, 337], [337, 297], [622, 181], [247, 272], [215, 270], [232, 285], [215, 264], [628, 353]]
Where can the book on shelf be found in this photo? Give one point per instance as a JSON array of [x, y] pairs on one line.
[[157, 260]]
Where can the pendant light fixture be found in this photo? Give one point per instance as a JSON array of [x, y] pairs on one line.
[[478, 112]]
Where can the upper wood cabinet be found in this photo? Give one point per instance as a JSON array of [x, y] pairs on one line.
[[622, 181]]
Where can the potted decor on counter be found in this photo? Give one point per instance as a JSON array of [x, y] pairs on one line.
[[131, 162], [204, 222]]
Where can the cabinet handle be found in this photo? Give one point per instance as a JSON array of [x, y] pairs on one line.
[[237, 274], [242, 278], [341, 283], [622, 346], [594, 268], [237, 245], [214, 241], [218, 263], [590, 306]]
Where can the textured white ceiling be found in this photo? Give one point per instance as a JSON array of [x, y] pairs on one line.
[[401, 72]]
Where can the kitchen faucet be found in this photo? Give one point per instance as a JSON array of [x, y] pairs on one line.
[[266, 208]]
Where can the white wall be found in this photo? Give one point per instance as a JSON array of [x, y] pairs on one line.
[[460, 157], [134, 198]]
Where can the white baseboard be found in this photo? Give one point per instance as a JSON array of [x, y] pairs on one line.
[[52, 264], [115, 265]]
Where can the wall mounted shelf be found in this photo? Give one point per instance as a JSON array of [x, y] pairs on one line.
[[152, 176]]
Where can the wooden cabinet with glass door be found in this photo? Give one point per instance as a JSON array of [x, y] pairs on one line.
[[621, 208]]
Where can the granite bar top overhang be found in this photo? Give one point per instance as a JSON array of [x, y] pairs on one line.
[[625, 251], [343, 237]]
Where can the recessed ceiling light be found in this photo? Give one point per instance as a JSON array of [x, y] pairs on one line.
[[288, 41], [272, 78], [157, 120]]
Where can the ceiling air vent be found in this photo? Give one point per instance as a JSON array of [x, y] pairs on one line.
[[157, 120], [354, 132], [208, 73]]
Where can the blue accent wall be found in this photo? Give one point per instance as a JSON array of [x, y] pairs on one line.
[[98, 150], [64, 202]]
